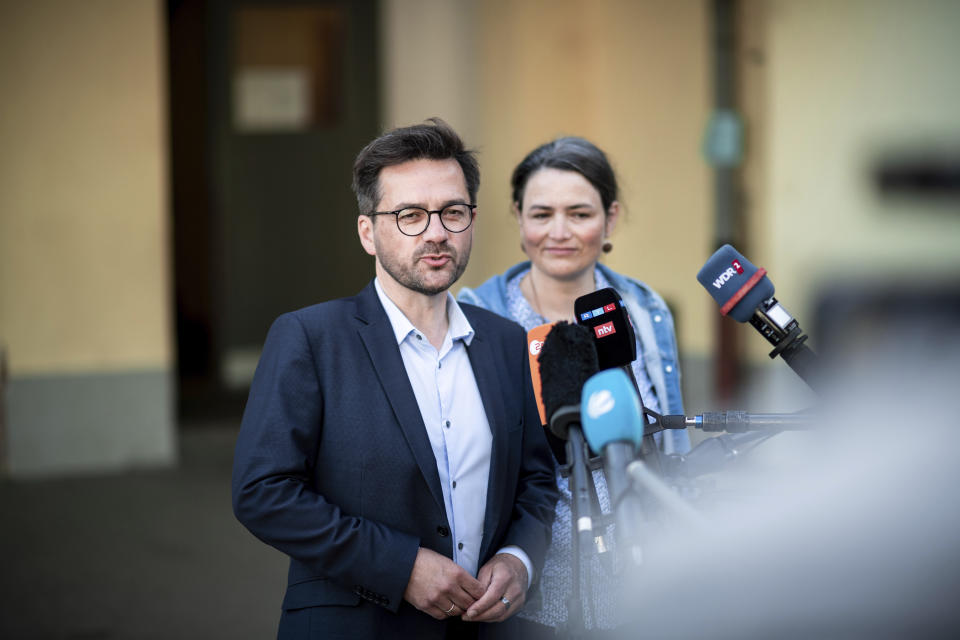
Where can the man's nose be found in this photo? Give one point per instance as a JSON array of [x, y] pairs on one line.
[[435, 231]]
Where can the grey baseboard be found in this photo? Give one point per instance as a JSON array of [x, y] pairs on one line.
[[89, 423]]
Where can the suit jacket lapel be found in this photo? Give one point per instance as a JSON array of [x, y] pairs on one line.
[[381, 344], [485, 371]]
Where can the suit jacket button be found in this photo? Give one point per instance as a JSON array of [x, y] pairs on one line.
[[443, 531]]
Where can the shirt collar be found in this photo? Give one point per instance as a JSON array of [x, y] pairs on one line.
[[459, 328]]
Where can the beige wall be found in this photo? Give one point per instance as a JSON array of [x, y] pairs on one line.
[[631, 76], [85, 299], [428, 58], [849, 82], [84, 273]]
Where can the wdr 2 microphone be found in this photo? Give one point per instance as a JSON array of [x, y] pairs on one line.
[[735, 283], [745, 293]]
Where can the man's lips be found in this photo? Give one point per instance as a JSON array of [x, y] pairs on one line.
[[436, 259]]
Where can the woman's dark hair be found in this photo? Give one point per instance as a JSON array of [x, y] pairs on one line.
[[433, 141], [568, 154]]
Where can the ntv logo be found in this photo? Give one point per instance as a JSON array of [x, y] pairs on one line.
[[605, 329], [735, 269]]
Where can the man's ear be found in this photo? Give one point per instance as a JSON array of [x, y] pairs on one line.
[[365, 231]]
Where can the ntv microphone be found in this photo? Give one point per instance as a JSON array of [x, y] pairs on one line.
[[603, 312], [745, 293]]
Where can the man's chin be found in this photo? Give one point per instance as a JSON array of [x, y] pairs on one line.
[[432, 287], [441, 278]]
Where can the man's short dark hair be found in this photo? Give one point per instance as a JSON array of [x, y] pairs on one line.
[[433, 140]]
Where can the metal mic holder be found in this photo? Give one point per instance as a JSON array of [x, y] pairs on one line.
[[783, 331], [581, 484]]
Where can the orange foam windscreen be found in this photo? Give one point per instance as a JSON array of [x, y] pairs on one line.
[[535, 338]]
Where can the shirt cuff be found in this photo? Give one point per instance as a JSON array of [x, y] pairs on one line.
[[517, 552]]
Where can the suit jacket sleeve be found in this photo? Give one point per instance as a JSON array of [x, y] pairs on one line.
[[274, 493]]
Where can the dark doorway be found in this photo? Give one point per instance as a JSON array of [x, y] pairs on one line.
[[269, 103]]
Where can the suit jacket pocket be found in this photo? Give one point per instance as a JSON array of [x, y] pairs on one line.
[[316, 593]]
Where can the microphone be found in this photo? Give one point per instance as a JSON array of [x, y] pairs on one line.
[[603, 311], [614, 424], [535, 339], [567, 359], [745, 293]]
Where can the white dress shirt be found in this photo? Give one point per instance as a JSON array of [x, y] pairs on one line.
[[456, 423]]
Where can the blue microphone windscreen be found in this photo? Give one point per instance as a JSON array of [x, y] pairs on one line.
[[735, 283], [610, 410]]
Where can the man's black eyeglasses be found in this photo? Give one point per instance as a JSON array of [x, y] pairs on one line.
[[413, 221]]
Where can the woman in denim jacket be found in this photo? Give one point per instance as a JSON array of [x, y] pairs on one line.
[[565, 200]]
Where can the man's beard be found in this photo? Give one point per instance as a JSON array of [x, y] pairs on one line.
[[409, 277]]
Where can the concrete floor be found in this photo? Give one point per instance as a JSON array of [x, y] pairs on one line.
[[139, 555]]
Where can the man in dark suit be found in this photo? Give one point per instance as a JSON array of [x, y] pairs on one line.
[[391, 444]]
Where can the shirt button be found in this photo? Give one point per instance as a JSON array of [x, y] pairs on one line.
[[668, 368], [443, 531], [454, 484], [419, 337], [460, 546], [447, 424], [657, 318]]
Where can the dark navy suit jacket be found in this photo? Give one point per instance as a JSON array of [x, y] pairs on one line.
[[333, 466]]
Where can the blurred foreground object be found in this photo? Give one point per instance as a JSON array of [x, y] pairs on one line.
[[849, 531]]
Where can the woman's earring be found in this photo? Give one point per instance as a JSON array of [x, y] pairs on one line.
[[607, 247]]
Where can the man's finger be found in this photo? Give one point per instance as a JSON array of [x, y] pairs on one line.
[[484, 606]]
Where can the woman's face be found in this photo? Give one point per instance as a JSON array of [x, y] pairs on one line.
[[562, 223]]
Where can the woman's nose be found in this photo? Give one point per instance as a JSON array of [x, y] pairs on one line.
[[558, 227]]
